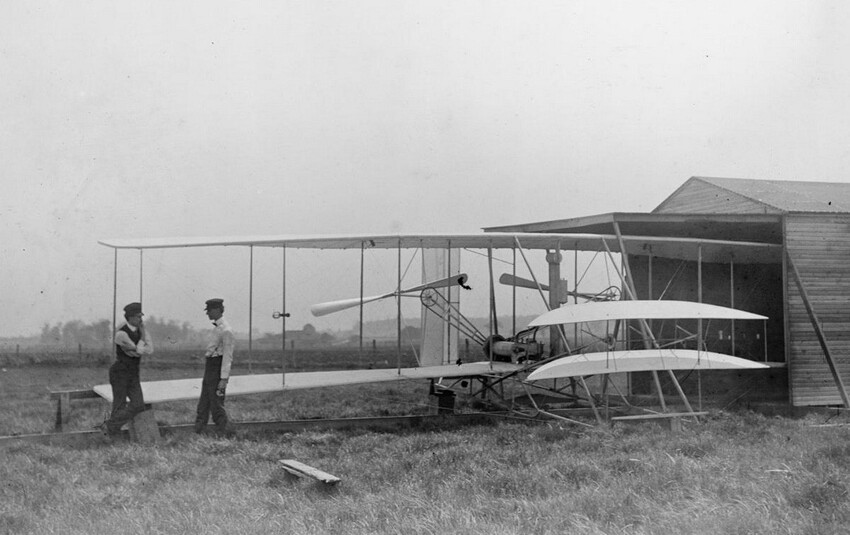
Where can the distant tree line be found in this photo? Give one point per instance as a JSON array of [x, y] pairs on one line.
[[77, 332]]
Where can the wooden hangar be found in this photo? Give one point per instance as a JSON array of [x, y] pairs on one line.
[[801, 282]]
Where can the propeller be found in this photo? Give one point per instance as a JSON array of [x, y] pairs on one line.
[[612, 293], [510, 280], [330, 307]]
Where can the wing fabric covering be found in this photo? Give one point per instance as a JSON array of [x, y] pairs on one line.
[[182, 389], [645, 309], [640, 360]]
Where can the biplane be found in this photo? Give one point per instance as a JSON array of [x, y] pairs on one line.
[[526, 357]]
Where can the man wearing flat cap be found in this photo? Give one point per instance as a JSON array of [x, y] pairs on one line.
[[219, 357], [132, 340]]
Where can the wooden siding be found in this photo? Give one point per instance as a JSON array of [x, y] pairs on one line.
[[699, 197], [819, 246]]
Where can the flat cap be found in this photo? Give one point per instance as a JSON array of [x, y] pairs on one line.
[[214, 303], [132, 309]]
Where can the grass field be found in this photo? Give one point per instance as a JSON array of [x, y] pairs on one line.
[[735, 473]]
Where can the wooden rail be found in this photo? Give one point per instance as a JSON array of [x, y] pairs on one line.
[[674, 419], [387, 423]]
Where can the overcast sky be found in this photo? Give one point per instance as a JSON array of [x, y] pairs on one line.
[[150, 119]]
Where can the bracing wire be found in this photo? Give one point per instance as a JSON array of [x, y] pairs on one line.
[[587, 268], [410, 341], [495, 258]]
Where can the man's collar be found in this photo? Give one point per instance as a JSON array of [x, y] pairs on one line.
[[134, 329]]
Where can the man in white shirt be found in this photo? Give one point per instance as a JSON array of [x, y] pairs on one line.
[[219, 357], [132, 340]]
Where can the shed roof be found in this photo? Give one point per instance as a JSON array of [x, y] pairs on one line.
[[783, 195], [761, 228]]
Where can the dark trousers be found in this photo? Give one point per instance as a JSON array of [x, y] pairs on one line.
[[124, 379], [210, 402]]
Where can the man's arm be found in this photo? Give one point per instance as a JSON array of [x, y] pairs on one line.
[[228, 341], [123, 341], [145, 345]]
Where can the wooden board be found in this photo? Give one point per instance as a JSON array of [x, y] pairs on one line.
[[302, 470], [643, 309], [183, 389], [640, 360], [672, 419], [656, 416]]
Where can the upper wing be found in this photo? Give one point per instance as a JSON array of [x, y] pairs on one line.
[[681, 248], [624, 310]]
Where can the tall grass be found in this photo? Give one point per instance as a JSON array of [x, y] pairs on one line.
[[736, 473]]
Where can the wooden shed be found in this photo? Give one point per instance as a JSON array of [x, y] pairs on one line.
[[804, 289]]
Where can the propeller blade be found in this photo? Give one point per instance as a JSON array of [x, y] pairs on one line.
[[511, 280], [611, 293], [330, 307], [459, 279], [323, 309]]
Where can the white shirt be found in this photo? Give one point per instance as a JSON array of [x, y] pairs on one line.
[[221, 343]]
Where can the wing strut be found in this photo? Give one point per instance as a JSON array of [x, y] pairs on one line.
[[362, 254], [494, 319], [647, 334], [114, 299], [560, 332], [398, 309], [250, 306], [531, 271], [629, 284], [284, 314], [141, 273], [448, 329]]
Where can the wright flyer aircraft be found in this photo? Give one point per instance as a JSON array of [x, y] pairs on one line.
[[600, 332]]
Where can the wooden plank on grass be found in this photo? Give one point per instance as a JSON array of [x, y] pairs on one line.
[[672, 419], [656, 416], [302, 470]]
